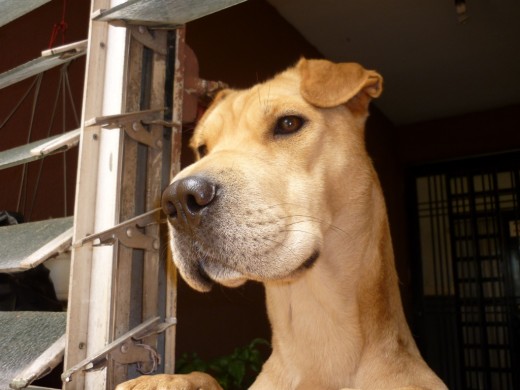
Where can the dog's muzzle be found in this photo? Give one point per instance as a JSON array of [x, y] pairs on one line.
[[185, 201]]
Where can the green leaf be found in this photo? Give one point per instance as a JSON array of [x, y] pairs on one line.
[[237, 369]]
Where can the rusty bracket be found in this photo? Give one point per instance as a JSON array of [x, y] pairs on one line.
[[133, 125], [196, 89], [126, 349], [132, 351], [203, 88], [156, 42], [128, 233]]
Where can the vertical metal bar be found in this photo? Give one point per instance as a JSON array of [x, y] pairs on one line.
[[176, 145], [489, 300], [431, 197], [452, 210], [127, 293], [499, 299], [480, 293], [417, 265], [154, 162], [449, 331], [513, 294], [441, 238]]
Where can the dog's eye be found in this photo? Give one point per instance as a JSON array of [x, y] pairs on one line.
[[202, 150], [289, 124]]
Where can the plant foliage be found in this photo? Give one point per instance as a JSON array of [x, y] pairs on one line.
[[235, 371]]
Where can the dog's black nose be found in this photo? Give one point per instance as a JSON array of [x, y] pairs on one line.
[[184, 200]]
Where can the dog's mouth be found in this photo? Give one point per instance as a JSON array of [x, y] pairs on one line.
[[309, 263], [203, 278], [305, 266], [209, 271], [206, 270], [235, 244]]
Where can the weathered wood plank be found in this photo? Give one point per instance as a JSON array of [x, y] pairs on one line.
[[86, 200], [25, 336], [13, 9], [38, 149], [163, 13], [41, 64], [26, 245]]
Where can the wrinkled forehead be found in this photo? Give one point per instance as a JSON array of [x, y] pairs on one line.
[[233, 105]]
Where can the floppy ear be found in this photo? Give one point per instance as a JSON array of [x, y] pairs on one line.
[[326, 84]]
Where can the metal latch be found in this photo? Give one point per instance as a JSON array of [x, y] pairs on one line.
[[67, 51], [128, 233], [126, 349], [133, 125], [155, 42]]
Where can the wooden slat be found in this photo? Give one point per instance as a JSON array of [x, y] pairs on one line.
[[41, 365], [40, 388], [43, 63], [13, 9], [38, 149], [26, 245], [26, 336], [90, 297], [161, 13]]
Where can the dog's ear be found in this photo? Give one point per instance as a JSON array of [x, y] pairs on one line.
[[326, 84]]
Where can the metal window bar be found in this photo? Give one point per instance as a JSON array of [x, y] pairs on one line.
[[474, 272], [438, 301]]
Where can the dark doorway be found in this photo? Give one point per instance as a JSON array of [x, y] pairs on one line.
[[467, 218]]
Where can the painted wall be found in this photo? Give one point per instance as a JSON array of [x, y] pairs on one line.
[[473, 134], [20, 41]]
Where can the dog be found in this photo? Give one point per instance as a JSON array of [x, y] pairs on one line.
[[284, 193]]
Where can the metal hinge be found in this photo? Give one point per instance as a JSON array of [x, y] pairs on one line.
[[133, 125], [128, 233], [126, 349], [196, 89], [155, 42]]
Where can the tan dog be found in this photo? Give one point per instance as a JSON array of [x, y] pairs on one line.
[[284, 193]]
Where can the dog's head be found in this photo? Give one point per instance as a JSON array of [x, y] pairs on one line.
[[276, 164]]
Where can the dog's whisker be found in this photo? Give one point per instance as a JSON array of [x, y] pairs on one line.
[[267, 107], [316, 220], [300, 231], [282, 245]]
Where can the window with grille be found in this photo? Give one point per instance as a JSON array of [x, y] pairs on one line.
[[467, 215]]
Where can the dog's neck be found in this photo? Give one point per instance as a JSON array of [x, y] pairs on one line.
[[348, 301]]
